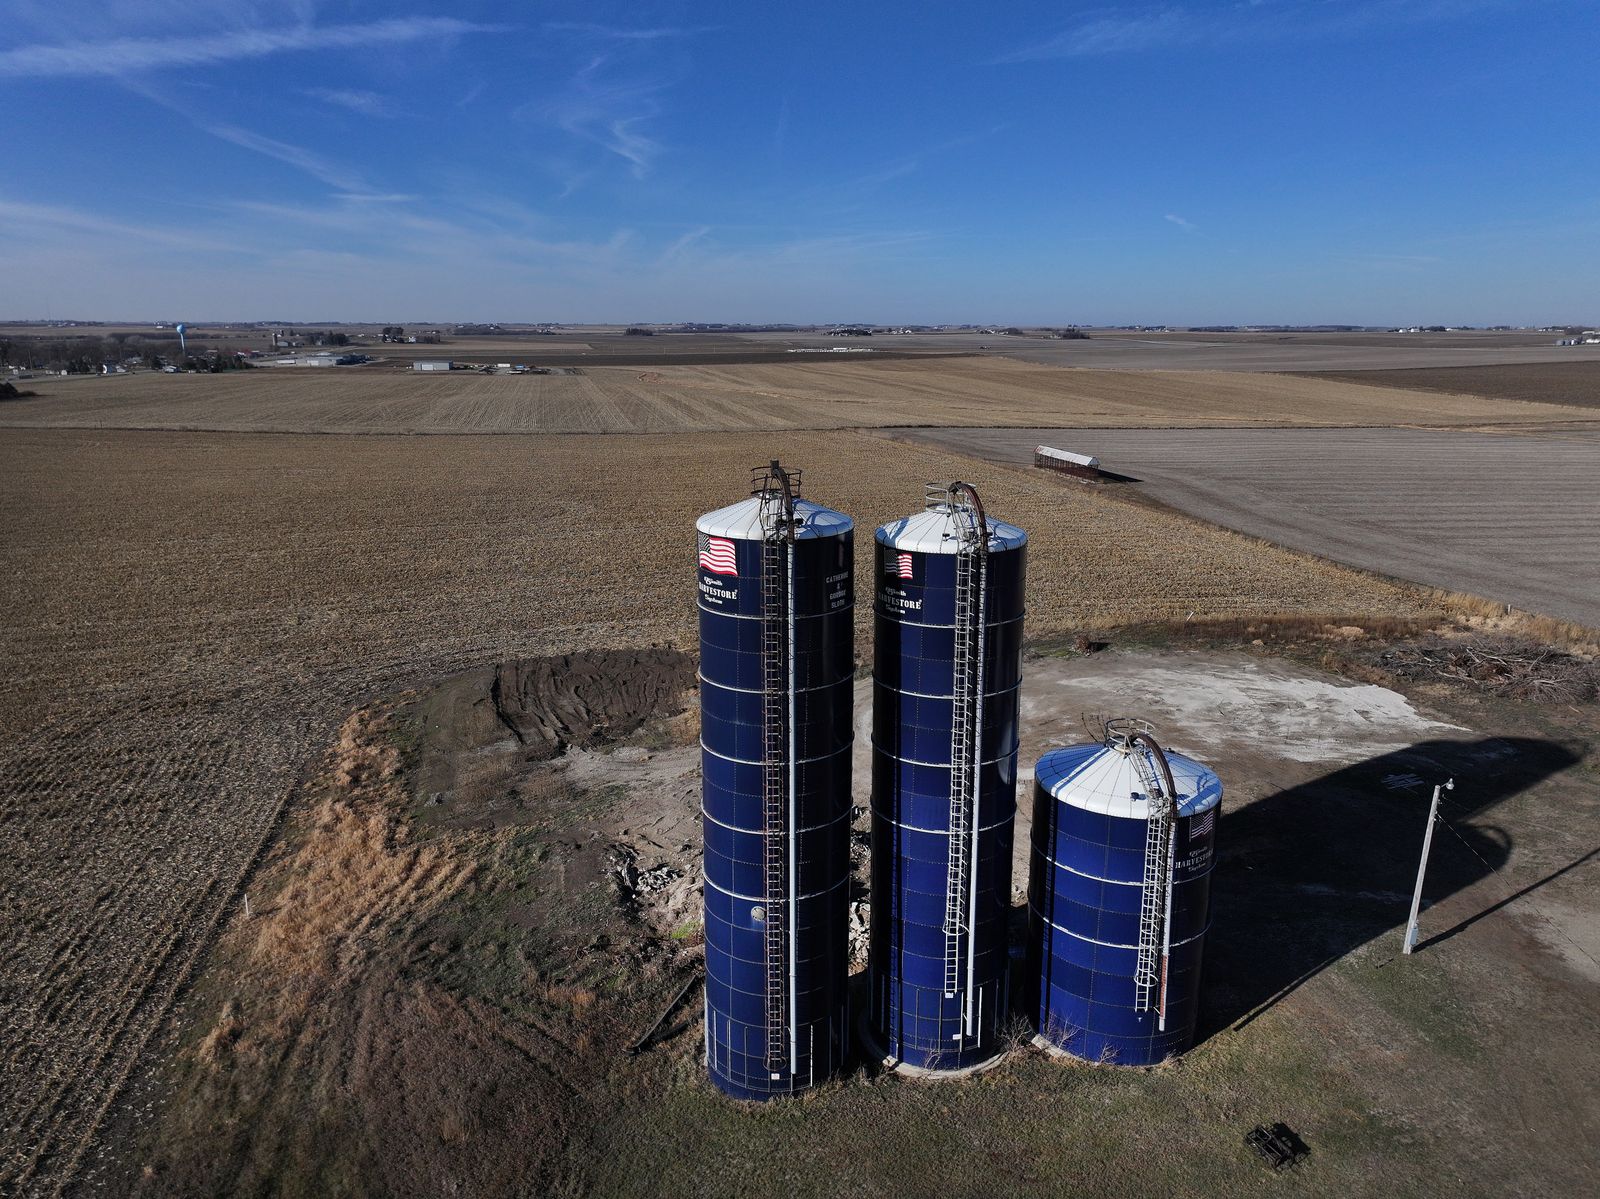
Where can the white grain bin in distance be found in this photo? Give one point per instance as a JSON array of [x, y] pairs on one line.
[[1119, 896]]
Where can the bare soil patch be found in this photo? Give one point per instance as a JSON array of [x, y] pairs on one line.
[[548, 704], [1570, 383]]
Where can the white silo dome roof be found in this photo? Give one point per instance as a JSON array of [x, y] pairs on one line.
[[743, 521], [1100, 779], [938, 531]]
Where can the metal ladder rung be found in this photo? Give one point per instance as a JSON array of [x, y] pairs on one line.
[[1152, 898], [775, 801], [967, 677]]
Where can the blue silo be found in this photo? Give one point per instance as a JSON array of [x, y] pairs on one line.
[[777, 663], [1119, 896], [944, 770]]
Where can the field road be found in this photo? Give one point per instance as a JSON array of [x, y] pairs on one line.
[[1515, 518]]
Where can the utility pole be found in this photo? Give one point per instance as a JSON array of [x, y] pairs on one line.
[[1422, 867]]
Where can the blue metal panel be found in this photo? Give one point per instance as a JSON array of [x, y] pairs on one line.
[[1083, 915], [731, 649], [732, 749], [921, 658], [912, 1017]]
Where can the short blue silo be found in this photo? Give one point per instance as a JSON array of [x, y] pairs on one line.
[[1114, 944], [777, 662], [947, 671]]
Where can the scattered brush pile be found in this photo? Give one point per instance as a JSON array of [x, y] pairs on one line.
[[1509, 667]]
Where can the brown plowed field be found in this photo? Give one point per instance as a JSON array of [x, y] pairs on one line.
[[798, 395], [187, 616], [1506, 515], [1575, 383]]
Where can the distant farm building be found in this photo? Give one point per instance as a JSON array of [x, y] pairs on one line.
[[430, 365], [1079, 466]]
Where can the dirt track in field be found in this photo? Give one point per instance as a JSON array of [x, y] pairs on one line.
[[802, 395]]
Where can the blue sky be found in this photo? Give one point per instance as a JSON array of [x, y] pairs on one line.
[[1289, 161]]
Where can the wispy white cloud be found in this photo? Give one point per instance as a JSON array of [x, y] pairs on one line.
[[357, 254], [681, 245], [334, 174], [132, 56], [608, 109], [1186, 226], [367, 104], [1130, 31], [1115, 35], [616, 93], [627, 35], [861, 187], [18, 218]]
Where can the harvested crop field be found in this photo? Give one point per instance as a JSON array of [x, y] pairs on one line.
[[1506, 515], [1576, 383], [187, 617], [799, 395]]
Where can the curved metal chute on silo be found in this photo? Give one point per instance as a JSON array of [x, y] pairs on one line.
[[777, 662], [947, 670], [1119, 896]]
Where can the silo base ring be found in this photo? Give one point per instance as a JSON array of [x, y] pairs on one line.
[[873, 1051], [1051, 1049]]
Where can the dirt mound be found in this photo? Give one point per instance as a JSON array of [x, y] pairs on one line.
[[588, 699], [546, 705]]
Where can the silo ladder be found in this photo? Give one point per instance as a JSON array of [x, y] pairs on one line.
[[774, 779], [1155, 900], [966, 752]]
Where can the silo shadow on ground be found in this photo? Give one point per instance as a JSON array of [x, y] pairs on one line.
[[1311, 873]]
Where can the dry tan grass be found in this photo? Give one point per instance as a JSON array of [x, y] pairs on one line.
[[800, 395], [354, 872], [323, 1041]]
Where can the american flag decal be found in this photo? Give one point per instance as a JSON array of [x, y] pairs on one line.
[[903, 565], [1201, 825], [716, 555]]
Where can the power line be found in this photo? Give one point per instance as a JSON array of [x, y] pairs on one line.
[[1512, 896]]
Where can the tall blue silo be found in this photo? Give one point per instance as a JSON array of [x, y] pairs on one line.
[[946, 676], [1119, 896], [777, 662]]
